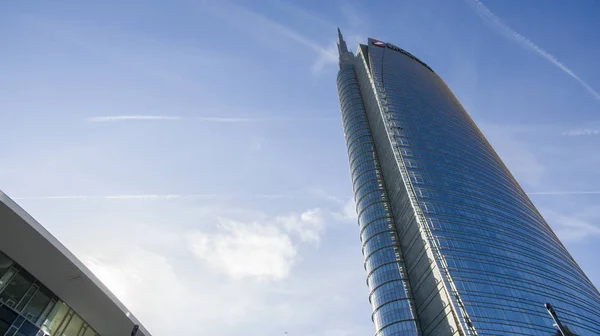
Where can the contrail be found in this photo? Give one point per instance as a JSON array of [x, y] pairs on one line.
[[510, 33], [131, 117], [582, 132], [231, 120], [564, 193], [264, 119], [207, 119], [156, 197], [165, 118]]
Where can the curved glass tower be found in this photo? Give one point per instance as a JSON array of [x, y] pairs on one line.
[[452, 244]]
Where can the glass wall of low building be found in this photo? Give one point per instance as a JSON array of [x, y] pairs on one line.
[[28, 308]]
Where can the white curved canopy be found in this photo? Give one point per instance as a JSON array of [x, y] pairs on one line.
[[24, 240]]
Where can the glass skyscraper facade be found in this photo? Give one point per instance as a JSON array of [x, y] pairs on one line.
[[452, 244]]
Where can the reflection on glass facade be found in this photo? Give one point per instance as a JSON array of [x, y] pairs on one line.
[[28, 308], [386, 272], [452, 244]]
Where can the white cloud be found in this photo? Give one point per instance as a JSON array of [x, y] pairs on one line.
[[261, 250], [308, 225], [245, 250], [349, 210], [132, 273], [227, 269], [502, 28], [110, 276], [150, 284]]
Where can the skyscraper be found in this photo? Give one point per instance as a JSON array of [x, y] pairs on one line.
[[452, 244]]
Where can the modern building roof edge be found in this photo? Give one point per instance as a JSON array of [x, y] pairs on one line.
[[70, 258]]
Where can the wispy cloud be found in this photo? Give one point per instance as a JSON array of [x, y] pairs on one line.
[[322, 194], [353, 16], [522, 160], [574, 227], [268, 30], [582, 132], [524, 42], [132, 117], [563, 193], [346, 205], [304, 15]]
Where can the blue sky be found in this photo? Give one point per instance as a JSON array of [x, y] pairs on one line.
[[230, 209]]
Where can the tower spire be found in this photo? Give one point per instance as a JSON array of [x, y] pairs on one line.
[[345, 55], [342, 47]]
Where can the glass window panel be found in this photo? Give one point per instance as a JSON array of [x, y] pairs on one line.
[[16, 288], [7, 316], [90, 332], [64, 325], [45, 313], [55, 318], [83, 330], [74, 326], [38, 303], [27, 329], [27, 297], [6, 278], [5, 263]]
